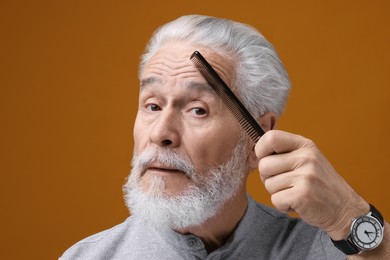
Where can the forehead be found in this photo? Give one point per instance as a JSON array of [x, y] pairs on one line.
[[173, 61], [194, 85]]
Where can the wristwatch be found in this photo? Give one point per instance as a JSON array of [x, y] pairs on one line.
[[366, 233]]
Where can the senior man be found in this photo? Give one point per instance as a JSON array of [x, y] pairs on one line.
[[186, 190]]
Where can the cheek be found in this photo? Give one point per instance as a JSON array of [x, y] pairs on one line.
[[139, 135], [213, 148]]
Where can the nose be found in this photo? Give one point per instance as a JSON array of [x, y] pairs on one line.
[[166, 129]]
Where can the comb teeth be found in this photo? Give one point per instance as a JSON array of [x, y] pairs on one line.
[[244, 118]]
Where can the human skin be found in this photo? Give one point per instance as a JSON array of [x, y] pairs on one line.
[[299, 178], [177, 110]]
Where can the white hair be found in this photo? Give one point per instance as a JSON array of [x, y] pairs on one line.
[[198, 202], [259, 77]]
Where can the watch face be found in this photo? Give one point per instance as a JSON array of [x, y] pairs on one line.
[[367, 232]]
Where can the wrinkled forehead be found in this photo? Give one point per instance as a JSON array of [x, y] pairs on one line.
[[191, 88], [173, 59]]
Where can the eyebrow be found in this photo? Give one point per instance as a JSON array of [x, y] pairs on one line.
[[199, 86], [193, 85], [150, 81]]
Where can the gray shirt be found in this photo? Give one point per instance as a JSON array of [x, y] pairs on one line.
[[263, 233]]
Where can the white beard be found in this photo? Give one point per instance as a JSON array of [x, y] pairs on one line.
[[199, 202]]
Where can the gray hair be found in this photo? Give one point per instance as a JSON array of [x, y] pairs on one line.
[[260, 77]]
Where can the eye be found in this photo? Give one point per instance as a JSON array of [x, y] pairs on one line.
[[153, 107], [199, 111]]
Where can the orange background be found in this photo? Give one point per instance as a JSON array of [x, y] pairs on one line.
[[69, 91]]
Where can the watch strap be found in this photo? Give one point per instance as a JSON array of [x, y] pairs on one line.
[[346, 246], [376, 214]]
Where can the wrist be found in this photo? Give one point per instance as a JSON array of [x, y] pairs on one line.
[[342, 226]]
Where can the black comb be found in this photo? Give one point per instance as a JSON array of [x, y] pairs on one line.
[[246, 120]]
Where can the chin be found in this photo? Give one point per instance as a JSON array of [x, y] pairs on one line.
[[156, 185], [171, 199]]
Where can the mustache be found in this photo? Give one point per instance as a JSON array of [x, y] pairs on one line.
[[164, 156]]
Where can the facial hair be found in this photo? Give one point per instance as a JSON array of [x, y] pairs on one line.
[[201, 200]]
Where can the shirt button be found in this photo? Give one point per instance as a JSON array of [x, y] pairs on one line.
[[192, 242]]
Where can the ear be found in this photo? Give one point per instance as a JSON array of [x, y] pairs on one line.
[[267, 122]]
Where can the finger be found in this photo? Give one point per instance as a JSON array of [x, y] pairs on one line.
[[282, 200], [277, 163], [280, 182], [276, 141]]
